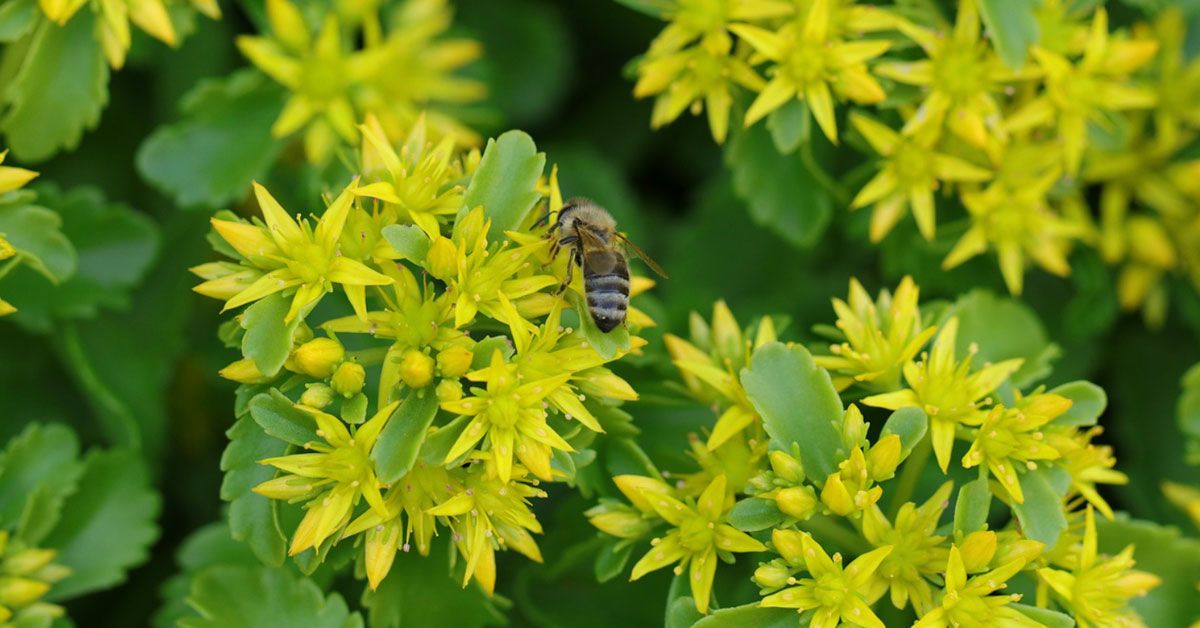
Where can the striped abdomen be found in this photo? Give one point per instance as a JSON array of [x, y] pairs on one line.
[[606, 282]]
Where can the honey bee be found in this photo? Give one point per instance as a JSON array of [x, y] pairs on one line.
[[595, 245]]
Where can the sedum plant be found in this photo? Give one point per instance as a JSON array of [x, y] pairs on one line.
[[410, 369], [906, 470], [1030, 131]]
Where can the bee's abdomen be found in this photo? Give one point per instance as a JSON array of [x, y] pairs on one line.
[[608, 299]]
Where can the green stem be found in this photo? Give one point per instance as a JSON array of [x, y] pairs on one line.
[[822, 177], [827, 529], [111, 411], [907, 483]]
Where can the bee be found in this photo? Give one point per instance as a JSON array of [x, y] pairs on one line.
[[589, 232]]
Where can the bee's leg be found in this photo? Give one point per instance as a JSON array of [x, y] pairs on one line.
[[571, 263], [544, 220]]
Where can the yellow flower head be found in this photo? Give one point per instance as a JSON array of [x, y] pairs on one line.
[[1096, 589], [949, 392], [27, 574], [333, 479], [836, 593], [969, 602], [114, 16], [1088, 464], [290, 255], [1009, 437], [811, 61], [11, 179], [881, 336], [918, 554], [698, 536]]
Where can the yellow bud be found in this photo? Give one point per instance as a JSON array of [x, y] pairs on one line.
[[1046, 405], [836, 497], [3, 541], [797, 502], [442, 259], [317, 396], [786, 467], [244, 371], [28, 561], [449, 390], [789, 544], [853, 425], [416, 369], [318, 357], [5, 614], [978, 549], [884, 457], [772, 575], [623, 523], [288, 487], [18, 592], [348, 379], [603, 383], [454, 361], [1017, 548], [727, 335]]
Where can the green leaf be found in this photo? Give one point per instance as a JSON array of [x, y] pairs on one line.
[[38, 470], [749, 616], [36, 235], [409, 240], [206, 547], [754, 513], [354, 409], [971, 509], [1088, 403], [1044, 616], [484, 349], [611, 560], [114, 509], [252, 518], [268, 340], [1164, 552], [607, 344], [438, 444], [233, 596], [420, 591], [279, 417], [1004, 328], [798, 404], [16, 18], [1041, 515], [395, 452], [114, 246], [1188, 410], [505, 183], [910, 425], [778, 190], [1012, 26], [682, 613], [222, 143], [653, 8], [58, 90], [790, 126]]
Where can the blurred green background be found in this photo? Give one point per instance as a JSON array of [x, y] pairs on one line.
[[148, 363]]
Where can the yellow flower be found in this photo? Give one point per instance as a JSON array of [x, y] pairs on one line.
[[1186, 498], [699, 536], [113, 17], [511, 415], [1096, 589], [1008, 437], [1177, 80], [420, 183], [970, 602], [1078, 93], [912, 170], [333, 479], [917, 556], [491, 512], [851, 488], [27, 574], [947, 390], [295, 255], [881, 336], [11, 179], [813, 63], [837, 594], [1087, 463], [963, 74]]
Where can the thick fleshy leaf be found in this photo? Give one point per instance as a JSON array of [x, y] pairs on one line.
[[1043, 616], [749, 616], [36, 234], [39, 469], [268, 339], [505, 183], [790, 126], [17, 17], [1041, 515], [409, 240], [798, 404], [612, 559], [1088, 402], [1012, 26], [1004, 328], [753, 514], [910, 424], [57, 92], [115, 509], [252, 518], [971, 509], [279, 418], [231, 596], [222, 143], [396, 450]]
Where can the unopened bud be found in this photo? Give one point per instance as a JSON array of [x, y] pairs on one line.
[[442, 260], [18, 592], [797, 502], [287, 487], [623, 523], [318, 357], [416, 369], [771, 575], [244, 371], [348, 379], [1013, 547], [836, 497], [27, 561], [449, 390], [786, 467], [789, 544], [884, 457], [978, 549], [454, 361], [317, 396]]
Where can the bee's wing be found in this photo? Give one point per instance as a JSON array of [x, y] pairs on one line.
[[642, 254]]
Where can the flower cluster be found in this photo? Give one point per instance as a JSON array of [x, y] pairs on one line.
[[834, 502], [394, 65], [113, 18], [1018, 139], [26, 575], [11, 180], [452, 382]]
